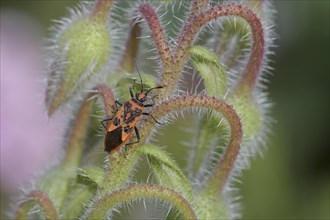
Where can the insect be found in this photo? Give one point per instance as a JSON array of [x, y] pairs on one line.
[[120, 127]]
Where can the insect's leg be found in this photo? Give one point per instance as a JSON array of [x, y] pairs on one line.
[[109, 119], [152, 98], [137, 136], [153, 102], [146, 113], [105, 120], [131, 92], [118, 103]]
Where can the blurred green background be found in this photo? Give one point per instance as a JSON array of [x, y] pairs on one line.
[[292, 180]]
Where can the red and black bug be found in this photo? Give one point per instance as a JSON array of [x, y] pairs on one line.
[[120, 127]]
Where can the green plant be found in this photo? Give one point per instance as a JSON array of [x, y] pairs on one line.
[[88, 58]]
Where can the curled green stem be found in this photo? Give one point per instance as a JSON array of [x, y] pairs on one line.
[[134, 192], [44, 202], [190, 30], [225, 166]]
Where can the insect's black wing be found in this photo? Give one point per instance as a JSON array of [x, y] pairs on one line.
[[113, 139]]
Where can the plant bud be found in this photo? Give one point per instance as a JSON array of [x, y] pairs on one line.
[[83, 48]]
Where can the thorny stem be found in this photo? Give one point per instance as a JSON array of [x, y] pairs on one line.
[[225, 166], [133, 192], [78, 131], [43, 200]]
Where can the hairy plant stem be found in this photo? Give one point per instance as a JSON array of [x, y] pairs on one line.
[[131, 48], [106, 189], [108, 99], [102, 8], [77, 136], [163, 49], [44, 202], [80, 125], [197, 6], [158, 35], [135, 192], [171, 74], [121, 163], [255, 61], [225, 166]]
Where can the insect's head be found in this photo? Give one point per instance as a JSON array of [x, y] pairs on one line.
[[142, 96]]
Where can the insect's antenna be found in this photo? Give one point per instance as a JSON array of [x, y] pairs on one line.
[[158, 87], [139, 74]]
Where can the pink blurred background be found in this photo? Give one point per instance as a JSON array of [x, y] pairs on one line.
[[29, 139]]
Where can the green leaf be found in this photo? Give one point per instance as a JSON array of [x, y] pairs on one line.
[[249, 113], [166, 170], [210, 69], [210, 134], [79, 196], [56, 182], [232, 42], [200, 52], [81, 191], [120, 166], [214, 76], [211, 205], [92, 174]]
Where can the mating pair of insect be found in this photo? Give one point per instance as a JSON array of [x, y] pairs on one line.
[[119, 128]]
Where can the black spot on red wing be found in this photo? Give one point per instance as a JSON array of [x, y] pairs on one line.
[[116, 121], [137, 111], [127, 129], [112, 139]]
